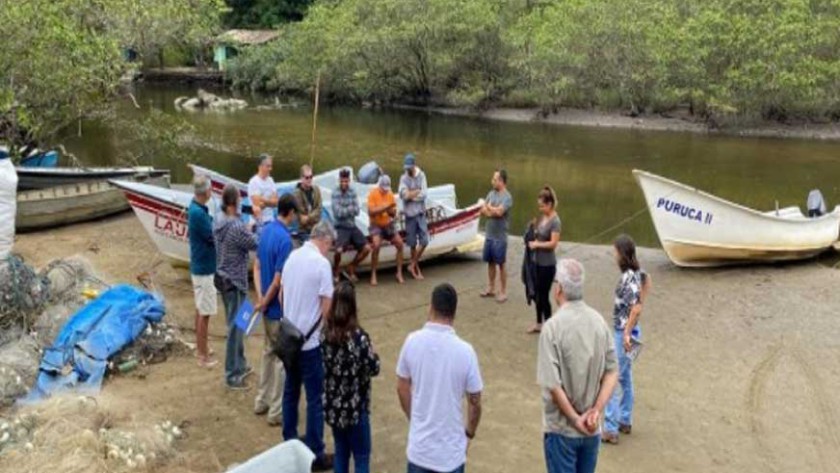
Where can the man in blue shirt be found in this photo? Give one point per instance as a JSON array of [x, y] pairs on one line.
[[202, 266], [274, 248]]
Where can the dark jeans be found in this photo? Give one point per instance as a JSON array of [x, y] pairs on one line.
[[310, 374], [571, 454], [353, 440], [545, 279], [235, 363], [412, 468]]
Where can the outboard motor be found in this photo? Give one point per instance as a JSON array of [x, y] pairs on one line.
[[816, 204], [369, 173]]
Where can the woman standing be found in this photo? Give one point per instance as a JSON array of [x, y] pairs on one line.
[[629, 294], [547, 236], [349, 363], [233, 243]]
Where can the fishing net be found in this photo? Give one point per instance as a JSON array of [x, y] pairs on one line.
[[86, 435]]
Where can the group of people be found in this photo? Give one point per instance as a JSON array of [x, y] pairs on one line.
[[580, 360]]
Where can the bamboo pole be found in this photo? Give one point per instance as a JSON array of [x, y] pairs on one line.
[[315, 119]]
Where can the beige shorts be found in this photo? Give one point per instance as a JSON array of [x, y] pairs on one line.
[[206, 298]]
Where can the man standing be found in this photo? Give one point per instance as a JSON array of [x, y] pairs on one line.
[[413, 190], [263, 192], [307, 295], [436, 369], [274, 249], [345, 208], [382, 208], [577, 371], [202, 266], [308, 202], [496, 208]]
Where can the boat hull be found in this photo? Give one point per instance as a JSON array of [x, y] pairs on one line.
[[697, 229], [164, 217], [30, 178], [63, 205]]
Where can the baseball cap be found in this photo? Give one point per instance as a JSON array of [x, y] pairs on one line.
[[409, 161], [385, 182]]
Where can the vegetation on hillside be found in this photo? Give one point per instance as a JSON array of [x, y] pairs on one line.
[[720, 59]]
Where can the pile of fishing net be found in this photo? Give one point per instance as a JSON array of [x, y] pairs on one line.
[[86, 435]]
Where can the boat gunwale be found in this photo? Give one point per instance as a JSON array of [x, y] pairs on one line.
[[833, 215]]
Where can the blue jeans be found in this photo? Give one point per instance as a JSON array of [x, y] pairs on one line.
[[620, 408], [571, 454], [495, 251], [412, 468], [353, 440], [310, 374], [235, 362]]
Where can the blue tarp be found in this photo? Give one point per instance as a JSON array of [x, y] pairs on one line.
[[79, 355]]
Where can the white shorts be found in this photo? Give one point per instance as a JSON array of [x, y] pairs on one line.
[[205, 294]]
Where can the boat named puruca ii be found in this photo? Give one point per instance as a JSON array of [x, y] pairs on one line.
[[697, 229]]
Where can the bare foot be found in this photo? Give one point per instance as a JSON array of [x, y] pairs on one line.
[[373, 281], [535, 328], [502, 298], [413, 271], [487, 293], [207, 362], [400, 277]]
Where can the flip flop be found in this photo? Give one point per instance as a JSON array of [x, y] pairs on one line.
[[486, 294], [502, 299]]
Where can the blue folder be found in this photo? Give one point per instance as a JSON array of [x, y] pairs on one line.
[[246, 318]]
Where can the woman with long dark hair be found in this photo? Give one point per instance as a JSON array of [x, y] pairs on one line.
[[546, 238], [629, 295], [349, 364]]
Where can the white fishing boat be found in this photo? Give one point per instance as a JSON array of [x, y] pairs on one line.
[[699, 229], [163, 214]]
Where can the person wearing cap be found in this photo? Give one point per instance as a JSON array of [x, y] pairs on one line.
[[308, 202], [382, 208], [413, 190], [202, 266], [263, 192], [345, 209]]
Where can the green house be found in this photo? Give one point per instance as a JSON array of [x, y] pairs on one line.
[[230, 43]]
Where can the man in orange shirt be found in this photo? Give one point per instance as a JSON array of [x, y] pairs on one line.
[[382, 208]]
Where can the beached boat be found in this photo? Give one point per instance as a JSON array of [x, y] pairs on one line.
[[163, 214], [41, 178], [72, 203], [699, 229]]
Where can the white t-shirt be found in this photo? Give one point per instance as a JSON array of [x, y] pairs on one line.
[[307, 276], [442, 369], [264, 188]]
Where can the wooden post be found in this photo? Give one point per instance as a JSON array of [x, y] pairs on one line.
[[315, 118]]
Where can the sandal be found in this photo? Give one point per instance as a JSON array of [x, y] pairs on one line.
[[486, 293]]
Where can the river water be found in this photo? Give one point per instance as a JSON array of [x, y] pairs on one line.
[[590, 168]]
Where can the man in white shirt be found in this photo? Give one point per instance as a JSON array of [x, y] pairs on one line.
[[435, 371], [307, 295], [263, 192]]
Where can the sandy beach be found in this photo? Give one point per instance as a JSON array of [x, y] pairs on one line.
[[739, 373]]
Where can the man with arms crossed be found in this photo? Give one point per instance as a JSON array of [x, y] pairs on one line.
[[577, 371], [497, 209], [308, 202], [436, 369], [413, 190], [263, 192]]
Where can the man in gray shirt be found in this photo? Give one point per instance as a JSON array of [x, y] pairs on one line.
[[413, 190], [577, 371], [497, 209]]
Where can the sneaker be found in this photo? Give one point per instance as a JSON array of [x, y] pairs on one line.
[[237, 386], [325, 463], [261, 410], [274, 422], [625, 429]]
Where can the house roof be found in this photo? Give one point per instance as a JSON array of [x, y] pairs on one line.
[[247, 36]]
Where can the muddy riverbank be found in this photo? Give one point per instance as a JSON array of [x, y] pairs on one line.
[[738, 374]]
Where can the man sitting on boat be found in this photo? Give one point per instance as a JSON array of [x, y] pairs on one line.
[[345, 209], [263, 192], [308, 203], [382, 208]]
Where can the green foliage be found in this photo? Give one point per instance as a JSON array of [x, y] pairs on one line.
[[723, 58], [255, 68], [264, 13], [61, 60]]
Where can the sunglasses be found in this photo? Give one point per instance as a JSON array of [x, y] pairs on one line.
[[308, 177]]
